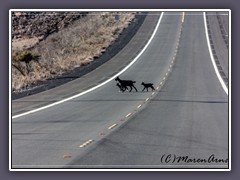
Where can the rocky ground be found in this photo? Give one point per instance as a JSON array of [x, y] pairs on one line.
[[41, 24]]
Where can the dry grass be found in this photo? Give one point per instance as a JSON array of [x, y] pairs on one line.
[[19, 45], [72, 47]]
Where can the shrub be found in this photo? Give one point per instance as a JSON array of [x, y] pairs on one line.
[[26, 56]]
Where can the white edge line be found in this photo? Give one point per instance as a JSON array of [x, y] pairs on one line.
[[105, 82], [211, 55]]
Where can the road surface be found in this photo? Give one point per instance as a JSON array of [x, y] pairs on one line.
[[186, 116]]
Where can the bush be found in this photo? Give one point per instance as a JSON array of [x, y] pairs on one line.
[[26, 56]]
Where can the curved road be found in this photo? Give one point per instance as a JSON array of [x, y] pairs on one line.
[[107, 128]]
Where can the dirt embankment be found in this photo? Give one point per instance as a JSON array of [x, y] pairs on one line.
[[47, 44]]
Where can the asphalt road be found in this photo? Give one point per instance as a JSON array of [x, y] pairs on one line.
[[107, 128]]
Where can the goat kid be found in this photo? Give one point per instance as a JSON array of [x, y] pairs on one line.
[[148, 85], [122, 88]]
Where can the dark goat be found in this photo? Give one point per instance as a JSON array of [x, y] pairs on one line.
[[148, 85], [127, 83], [122, 88]]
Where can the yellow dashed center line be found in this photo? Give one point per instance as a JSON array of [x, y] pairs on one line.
[[147, 99], [86, 143], [83, 145], [139, 106], [129, 114], [111, 127], [183, 15]]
